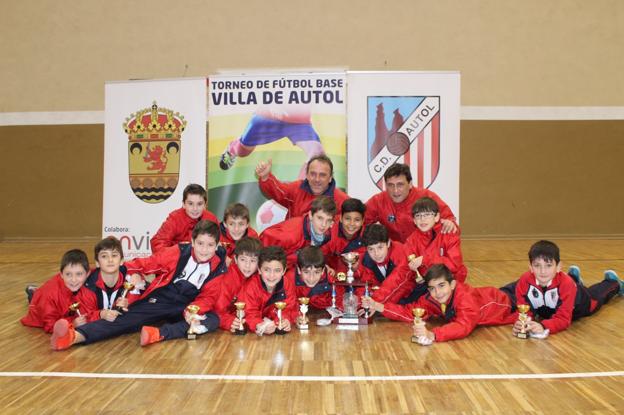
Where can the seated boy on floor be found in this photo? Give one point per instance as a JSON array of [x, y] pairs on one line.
[[263, 293], [345, 235], [178, 226], [235, 226], [182, 272], [310, 229], [107, 279], [243, 267], [461, 306], [51, 302], [554, 297]]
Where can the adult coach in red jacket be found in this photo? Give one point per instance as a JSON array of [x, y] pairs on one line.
[[297, 196], [393, 207]]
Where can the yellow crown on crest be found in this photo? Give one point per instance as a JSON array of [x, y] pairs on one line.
[[154, 123]]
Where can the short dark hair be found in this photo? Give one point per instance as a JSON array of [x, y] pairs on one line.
[[374, 234], [247, 245], [206, 227], [310, 256], [546, 250], [353, 205], [75, 257], [398, 169], [323, 159], [236, 210], [324, 203], [272, 253], [425, 204], [438, 271], [194, 189], [108, 243]]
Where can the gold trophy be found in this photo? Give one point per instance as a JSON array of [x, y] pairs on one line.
[[341, 277], [75, 307], [192, 310], [240, 315], [524, 318], [127, 287], [418, 314], [350, 258], [419, 278], [280, 305], [303, 308]]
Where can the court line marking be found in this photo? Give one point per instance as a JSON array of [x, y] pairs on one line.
[[156, 376]]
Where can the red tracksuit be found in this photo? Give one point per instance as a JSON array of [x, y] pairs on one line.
[[468, 307], [52, 300], [228, 243], [339, 244], [259, 303], [106, 296], [232, 283], [292, 235], [177, 228], [319, 295], [297, 196], [397, 217], [437, 248]]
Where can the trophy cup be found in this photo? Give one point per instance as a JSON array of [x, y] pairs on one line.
[[350, 258], [192, 310], [419, 278], [418, 314], [75, 307], [366, 294], [127, 287], [524, 318], [240, 314], [303, 308], [280, 305]]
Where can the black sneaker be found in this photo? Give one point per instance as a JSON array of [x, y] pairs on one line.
[[30, 291], [227, 160]]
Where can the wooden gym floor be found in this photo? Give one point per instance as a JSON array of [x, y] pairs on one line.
[[373, 370]]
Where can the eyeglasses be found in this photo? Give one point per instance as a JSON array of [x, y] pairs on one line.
[[424, 215]]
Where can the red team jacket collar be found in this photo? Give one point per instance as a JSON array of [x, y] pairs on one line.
[[102, 286]]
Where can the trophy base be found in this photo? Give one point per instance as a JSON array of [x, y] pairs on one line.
[[414, 339], [354, 320], [238, 332], [523, 336], [303, 327], [280, 332], [191, 336]]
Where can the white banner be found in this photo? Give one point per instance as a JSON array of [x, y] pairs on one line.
[[404, 117], [154, 145]]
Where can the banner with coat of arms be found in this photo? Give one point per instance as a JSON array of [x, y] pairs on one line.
[[404, 117], [154, 145]]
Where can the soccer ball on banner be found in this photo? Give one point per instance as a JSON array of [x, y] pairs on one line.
[[269, 213]]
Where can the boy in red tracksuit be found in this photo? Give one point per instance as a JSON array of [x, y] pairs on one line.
[[53, 299], [345, 235], [298, 196], [262, 292], [392, 207], [235, 226], [310, 278], [384, 265], [311, 229], [461, 306], [554, 297], [178, 226], [243, 267], [183, 273]]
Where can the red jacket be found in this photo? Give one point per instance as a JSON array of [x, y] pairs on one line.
[[232, 283], [319, 295], [339, 244], [259, 303], [437, 248], [553, 304], [397, 217], [292, 235], [170, 262], [228, 243], [177, 228], [468, 307], [105, 296], [297, 196], [52, 300]]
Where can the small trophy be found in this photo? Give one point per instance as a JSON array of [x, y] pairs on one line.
[[524, 318], [127, 287], [419, 278], [333, 295], [303, 308], [366, 294], [350, 258], [418, 314], [341, 277], [192, 310], [240, 315], [75, 307], [280, 305]]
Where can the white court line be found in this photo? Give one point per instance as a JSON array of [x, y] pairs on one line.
[[155, 376]]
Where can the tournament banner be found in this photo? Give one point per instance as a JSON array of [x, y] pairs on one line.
[[154, 145], [404, 117], [285, 117]]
